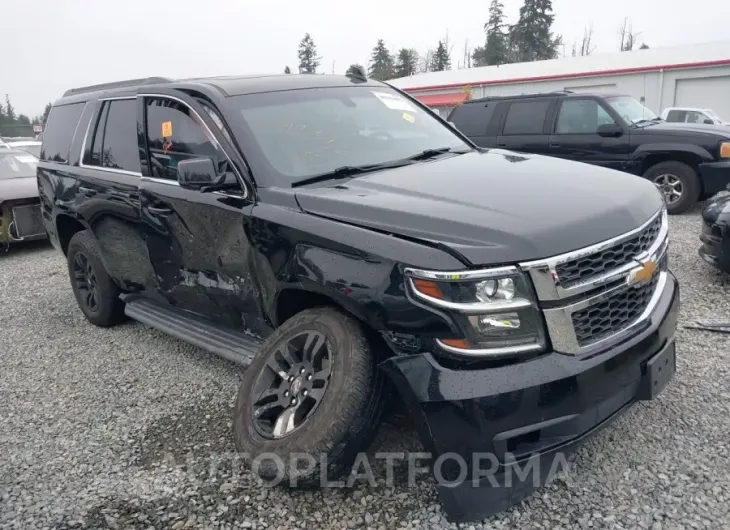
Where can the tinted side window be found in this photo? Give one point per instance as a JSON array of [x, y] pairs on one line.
[[119, 149], [676, 115], [472, 119], [526, 117], [581, 116], [174, 133], [93, 156], [59, 133]]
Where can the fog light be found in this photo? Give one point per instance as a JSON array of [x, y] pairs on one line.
[[496, 289], [495, 323]]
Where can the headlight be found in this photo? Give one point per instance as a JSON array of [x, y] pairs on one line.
[[725, 150], [494, 308]]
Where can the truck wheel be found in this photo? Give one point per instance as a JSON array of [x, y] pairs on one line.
[[678, 184], [96, 293], [310, 401]]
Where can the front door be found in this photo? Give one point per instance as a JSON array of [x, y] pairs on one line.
[[197, 241], [525, 125], [576, 135]]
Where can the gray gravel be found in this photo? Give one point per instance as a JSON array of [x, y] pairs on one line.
[[116, 429]]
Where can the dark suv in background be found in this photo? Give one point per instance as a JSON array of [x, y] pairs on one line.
[[340, 240], [686, 162]]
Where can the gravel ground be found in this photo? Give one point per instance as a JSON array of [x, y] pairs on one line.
[[119, 428]]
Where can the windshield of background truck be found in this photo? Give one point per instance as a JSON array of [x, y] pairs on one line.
[[630, 109], [17, 164], [309, 132], [715, 117]]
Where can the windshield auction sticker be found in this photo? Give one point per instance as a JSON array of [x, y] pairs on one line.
[[393, 101]]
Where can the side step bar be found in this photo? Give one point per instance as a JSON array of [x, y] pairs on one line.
[[196, 330]]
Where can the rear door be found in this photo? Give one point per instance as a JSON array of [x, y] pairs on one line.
[[575, 135], [525, 125], [473, 120]]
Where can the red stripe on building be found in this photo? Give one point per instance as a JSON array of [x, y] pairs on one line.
[[596, 73], [439, 100]]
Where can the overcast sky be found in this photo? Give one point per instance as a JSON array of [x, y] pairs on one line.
[[52, 45]]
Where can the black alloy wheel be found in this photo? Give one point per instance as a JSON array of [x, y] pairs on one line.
[[292, 384], [86, 283]]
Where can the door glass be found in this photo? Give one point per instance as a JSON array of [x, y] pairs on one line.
[[119, 148], [694, 117], [60, 130], [175, 133], [526, 117], [93, 156], [581, 116]]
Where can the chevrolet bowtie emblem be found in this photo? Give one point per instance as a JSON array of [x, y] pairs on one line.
[[642, 274]]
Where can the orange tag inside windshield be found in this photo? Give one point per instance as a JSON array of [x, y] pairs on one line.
[[166, 129]]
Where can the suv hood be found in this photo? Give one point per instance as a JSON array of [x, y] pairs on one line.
[[493, 207], [18, 188], [722, 131]]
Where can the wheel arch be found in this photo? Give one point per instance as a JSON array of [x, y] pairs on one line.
[[66, 227]]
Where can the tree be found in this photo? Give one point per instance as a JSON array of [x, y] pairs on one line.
[[496, 49], [531, 36], [406, 63], [355, 69], [628, 36], [381, 62], [586, 45], [287, 70], [23, 120], [46, 112], [9, 110], [441, 59], [308, 59]]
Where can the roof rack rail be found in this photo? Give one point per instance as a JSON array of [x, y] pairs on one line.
[[117, 84]]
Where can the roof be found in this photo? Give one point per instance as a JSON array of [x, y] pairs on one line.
[[227, 85], [695, 56]]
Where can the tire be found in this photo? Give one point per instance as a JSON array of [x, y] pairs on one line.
[[664, 174], [83, 254], [346, 417]]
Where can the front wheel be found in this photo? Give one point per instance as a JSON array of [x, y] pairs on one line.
[[311, 400], [678, 184]]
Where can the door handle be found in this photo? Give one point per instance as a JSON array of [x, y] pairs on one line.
[[87, 191], [501, 145], [554, 145], [159, 211]]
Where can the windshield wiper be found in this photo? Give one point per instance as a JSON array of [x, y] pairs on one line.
[[432, 153], [348, 171]]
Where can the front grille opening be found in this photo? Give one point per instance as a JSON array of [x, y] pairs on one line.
[[614, 314], [578, 270]]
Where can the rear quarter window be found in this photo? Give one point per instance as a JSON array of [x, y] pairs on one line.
[[472, 119], [60, 130], [526, 117]]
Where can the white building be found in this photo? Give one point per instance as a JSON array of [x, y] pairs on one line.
[[688, 76]]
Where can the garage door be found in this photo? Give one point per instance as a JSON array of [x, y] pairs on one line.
[[706, 92]]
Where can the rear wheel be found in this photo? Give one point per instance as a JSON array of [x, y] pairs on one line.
[[311, 400], [96, 294], [678, 184]]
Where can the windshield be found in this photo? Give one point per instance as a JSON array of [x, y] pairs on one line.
[[302, 133], [16, 164], [630, 109], [715, 117]]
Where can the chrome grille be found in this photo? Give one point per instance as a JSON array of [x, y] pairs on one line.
[[578, 270], [614, 314]]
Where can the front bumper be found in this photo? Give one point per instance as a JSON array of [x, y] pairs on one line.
[[715, 176], [525, 413]]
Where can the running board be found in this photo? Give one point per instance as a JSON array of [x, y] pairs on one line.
[[196, 330]]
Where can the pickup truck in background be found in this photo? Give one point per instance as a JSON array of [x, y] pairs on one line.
[[686, 162]]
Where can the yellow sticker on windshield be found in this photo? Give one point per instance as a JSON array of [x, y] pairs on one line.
[[166, 129], [409, 117]]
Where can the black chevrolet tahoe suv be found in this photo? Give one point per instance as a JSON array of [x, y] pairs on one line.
[[686, 162], [347, 245]]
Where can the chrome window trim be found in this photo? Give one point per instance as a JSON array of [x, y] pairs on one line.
[[461, 275], [547, 283], [168, 182], [492, 353]]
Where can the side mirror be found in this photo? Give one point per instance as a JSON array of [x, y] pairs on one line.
[[708, 121], [196, 173], [610, 130]]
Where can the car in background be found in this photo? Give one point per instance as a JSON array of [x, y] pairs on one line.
[[692, 115], [686, 162], [715, 234], [20, 211], [29, 146]]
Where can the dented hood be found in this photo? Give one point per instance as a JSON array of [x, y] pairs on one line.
[[18, 188], [492, 207]]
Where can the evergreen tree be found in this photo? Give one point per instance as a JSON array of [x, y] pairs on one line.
[[287, 70], [441, 59], [381, 62], [406, 63], [46, 112], [496, 49], [308, 59], [353, 69], [531, 36], [2, 114], [9, 110], [23, 120]]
